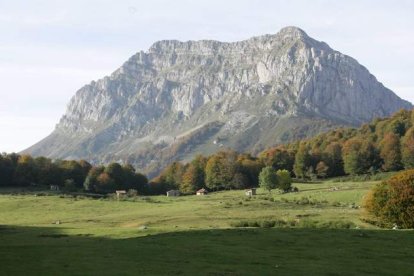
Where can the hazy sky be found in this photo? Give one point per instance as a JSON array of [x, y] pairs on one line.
[[49, 49]]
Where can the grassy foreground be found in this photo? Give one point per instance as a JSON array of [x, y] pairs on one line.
[[194, 235]]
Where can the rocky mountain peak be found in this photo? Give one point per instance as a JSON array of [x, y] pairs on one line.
[[292, 32], [182, 98]]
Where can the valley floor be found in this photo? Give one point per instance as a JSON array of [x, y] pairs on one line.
[[195, 235]]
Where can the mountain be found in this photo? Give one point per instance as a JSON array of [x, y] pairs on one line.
[[183, 98]]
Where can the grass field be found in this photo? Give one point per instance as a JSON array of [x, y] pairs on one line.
[[194, 235]]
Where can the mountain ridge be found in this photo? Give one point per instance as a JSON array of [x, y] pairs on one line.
[[180, 98]]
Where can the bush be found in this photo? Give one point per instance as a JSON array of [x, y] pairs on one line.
[[364, 177], [305, 223], [392, 201], [259, 224]]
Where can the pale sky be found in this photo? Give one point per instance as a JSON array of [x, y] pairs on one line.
[[51, 48]]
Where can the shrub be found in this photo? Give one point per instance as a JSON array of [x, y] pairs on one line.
[[259, 224], [392, 201]]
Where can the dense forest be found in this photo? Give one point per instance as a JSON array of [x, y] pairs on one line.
[[382, 145]]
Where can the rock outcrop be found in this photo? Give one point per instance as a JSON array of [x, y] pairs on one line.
[[182, 98]]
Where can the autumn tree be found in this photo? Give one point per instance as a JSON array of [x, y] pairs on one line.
[[390, 152], [408, 148], [105, 184], [322, 170], [220, 170], [392, 201], [91, 181], [194, 175], [279, 158], [192, 180]]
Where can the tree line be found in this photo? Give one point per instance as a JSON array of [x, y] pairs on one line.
[[383, 145], [24, 170]]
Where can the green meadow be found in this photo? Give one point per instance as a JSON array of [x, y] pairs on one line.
[[319, 230]]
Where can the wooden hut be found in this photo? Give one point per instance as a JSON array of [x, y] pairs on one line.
[[54, 187], [120, 193], [251, 192], [202, 192], [173, 193]]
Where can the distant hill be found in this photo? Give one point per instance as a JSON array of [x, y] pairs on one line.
[[182, 98]]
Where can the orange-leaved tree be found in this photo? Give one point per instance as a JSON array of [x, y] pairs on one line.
[[392, 201]]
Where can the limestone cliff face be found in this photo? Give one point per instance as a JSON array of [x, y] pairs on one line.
[[182, 98]]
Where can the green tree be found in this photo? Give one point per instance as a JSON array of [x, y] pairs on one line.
[[8, 164], [250, 168], [284, 180], [85, 166], [171, 176], [359, 156], [214, 179], [302, 161], [240, 181], [268, 178], [116, 173], [47, 173], [69, 185], [25, 173], [333, 159], [71, 169]]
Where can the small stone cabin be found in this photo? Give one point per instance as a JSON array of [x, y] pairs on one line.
[[120, 193], [202, 192], [54, 187], [173, 193], [251, 192]]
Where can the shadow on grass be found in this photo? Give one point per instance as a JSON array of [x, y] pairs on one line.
[[49, 251]]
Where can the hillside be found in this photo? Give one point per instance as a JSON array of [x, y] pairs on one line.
[[182, 98]]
